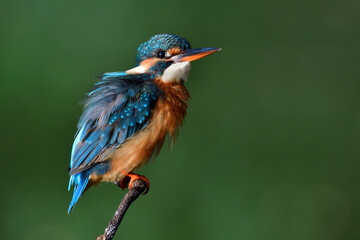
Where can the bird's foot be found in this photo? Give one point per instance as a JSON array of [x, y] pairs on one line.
[[130, 177]]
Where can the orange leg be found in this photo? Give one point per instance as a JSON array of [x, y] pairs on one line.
[[130, 178]]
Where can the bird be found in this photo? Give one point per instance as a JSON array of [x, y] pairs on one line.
[[128, 114]]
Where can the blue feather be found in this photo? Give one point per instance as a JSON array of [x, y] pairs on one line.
[[85, 149], [114, 135], [103, 141], [76, 142], [93, 154], [85, 154], [112, 74], [80, 180]]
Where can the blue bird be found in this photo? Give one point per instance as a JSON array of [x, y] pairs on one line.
[[128, 115]]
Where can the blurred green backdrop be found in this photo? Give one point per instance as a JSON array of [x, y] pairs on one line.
[[270, 148]]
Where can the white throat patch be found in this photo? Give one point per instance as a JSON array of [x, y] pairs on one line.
[[177, 72]]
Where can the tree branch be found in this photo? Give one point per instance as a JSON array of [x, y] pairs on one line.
[[138, 187]]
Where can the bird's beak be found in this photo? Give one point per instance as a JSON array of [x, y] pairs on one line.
[[194, 54]]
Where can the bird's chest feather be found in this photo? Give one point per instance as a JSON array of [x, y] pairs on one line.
[[167, 117]]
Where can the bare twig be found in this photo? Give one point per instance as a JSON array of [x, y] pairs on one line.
[[138, 187]]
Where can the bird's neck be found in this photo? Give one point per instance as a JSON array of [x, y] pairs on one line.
[[173, 104]]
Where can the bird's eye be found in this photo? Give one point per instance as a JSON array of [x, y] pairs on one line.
[[161, 54]]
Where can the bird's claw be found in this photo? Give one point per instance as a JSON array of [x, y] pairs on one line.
[[130, 177]]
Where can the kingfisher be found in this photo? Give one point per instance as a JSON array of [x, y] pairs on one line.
[[128, 114]]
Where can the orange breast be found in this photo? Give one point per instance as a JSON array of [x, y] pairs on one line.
[[168, 115]]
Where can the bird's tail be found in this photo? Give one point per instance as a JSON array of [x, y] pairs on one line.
[[80, 180]]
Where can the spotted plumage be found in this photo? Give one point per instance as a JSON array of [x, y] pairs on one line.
[[128, 115]]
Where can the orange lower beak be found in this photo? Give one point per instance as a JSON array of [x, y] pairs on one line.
[[194, 54]]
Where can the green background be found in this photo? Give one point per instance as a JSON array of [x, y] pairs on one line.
[[270, 147]]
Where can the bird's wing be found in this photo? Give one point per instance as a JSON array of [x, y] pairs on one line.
[[119, 106]]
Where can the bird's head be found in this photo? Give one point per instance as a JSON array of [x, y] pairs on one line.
[[167, 57]]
